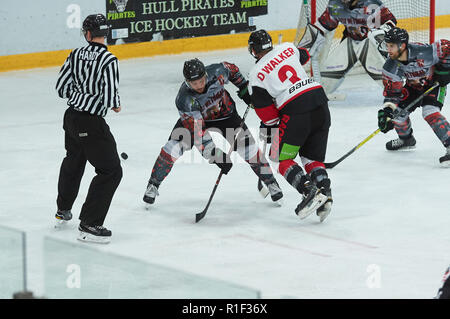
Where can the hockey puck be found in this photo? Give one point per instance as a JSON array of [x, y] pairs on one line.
[[124, 155]]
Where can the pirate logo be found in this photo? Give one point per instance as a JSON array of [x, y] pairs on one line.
[[120, 5]]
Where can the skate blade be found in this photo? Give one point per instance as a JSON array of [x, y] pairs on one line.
[[89, 238], [445, 164], [61, 223], [315, 203], [324, 211], [279, 202], [404, 149]]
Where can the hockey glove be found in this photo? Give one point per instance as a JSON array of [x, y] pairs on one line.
[[266, 132], [244, 95], [222, 160], [442, 75], [385, 116]]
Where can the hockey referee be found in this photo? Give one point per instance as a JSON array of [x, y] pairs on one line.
[[89, 79]]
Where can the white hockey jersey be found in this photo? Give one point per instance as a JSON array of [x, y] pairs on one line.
[[277, 79]]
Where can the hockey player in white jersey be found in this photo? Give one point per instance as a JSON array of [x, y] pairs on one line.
[[294, 112], [365, 22]]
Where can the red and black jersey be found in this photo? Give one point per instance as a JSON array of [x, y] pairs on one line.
[[357, 19]]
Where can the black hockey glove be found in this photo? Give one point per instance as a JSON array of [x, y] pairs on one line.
[[442, 75], [266, 132], [385, 117], [222, 160], [244, 95]]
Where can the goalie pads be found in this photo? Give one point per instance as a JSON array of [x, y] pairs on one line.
[[343, 59], [313, 40]]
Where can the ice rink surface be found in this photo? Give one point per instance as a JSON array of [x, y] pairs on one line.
[[387, 236]]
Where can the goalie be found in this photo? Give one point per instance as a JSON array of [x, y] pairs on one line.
[[365, 22]]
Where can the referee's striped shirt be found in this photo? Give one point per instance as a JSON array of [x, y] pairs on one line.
[[89, 79]]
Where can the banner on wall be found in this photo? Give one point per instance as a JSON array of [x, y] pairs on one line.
[[146, 20]]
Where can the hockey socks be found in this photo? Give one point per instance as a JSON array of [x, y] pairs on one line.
[[440, 127], [403, 128], [262, 169], [163, 166]]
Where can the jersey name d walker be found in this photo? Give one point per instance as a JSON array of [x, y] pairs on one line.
[[282, 75]]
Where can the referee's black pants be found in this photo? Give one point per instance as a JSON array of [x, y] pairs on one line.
[[88, 138]]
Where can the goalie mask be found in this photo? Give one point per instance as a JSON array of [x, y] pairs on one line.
[[259, 41]]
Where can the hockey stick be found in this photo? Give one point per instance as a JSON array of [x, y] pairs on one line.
[[401, 113], [261, 188], [201, 215]]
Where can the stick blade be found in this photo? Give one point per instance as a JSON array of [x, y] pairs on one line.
[[199, 216]]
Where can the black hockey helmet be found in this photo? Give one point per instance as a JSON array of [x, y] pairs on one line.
[[193, 69], [259, 41], [397, 35], [96, 24]]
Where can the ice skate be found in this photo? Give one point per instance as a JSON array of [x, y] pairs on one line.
[[150, 194], [324, 210], [445, 160], [94, 234], [62, 217], [275, 193], [312, 200], [401, 144]]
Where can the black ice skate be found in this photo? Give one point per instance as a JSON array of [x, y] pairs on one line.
[[94, 234], [312, 200], [445, 160], [324, 210], [150, 193], [275, 193], [401, 144], [62, 217]]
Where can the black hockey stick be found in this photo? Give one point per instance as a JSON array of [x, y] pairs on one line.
[[401, 113], [261, 188], [201, 215]]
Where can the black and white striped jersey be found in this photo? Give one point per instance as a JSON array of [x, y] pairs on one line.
[[89, 79]]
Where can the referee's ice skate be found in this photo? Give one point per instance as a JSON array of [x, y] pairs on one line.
[[62, 217], [94, 234]]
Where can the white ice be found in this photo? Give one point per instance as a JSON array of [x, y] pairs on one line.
[[387, 236]]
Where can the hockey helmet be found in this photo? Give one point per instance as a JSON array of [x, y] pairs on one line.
[[259, 41], [193, 69], [96, 24], [397, 35]]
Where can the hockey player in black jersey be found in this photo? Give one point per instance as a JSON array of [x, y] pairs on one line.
[[421, 65], [204, 104]]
